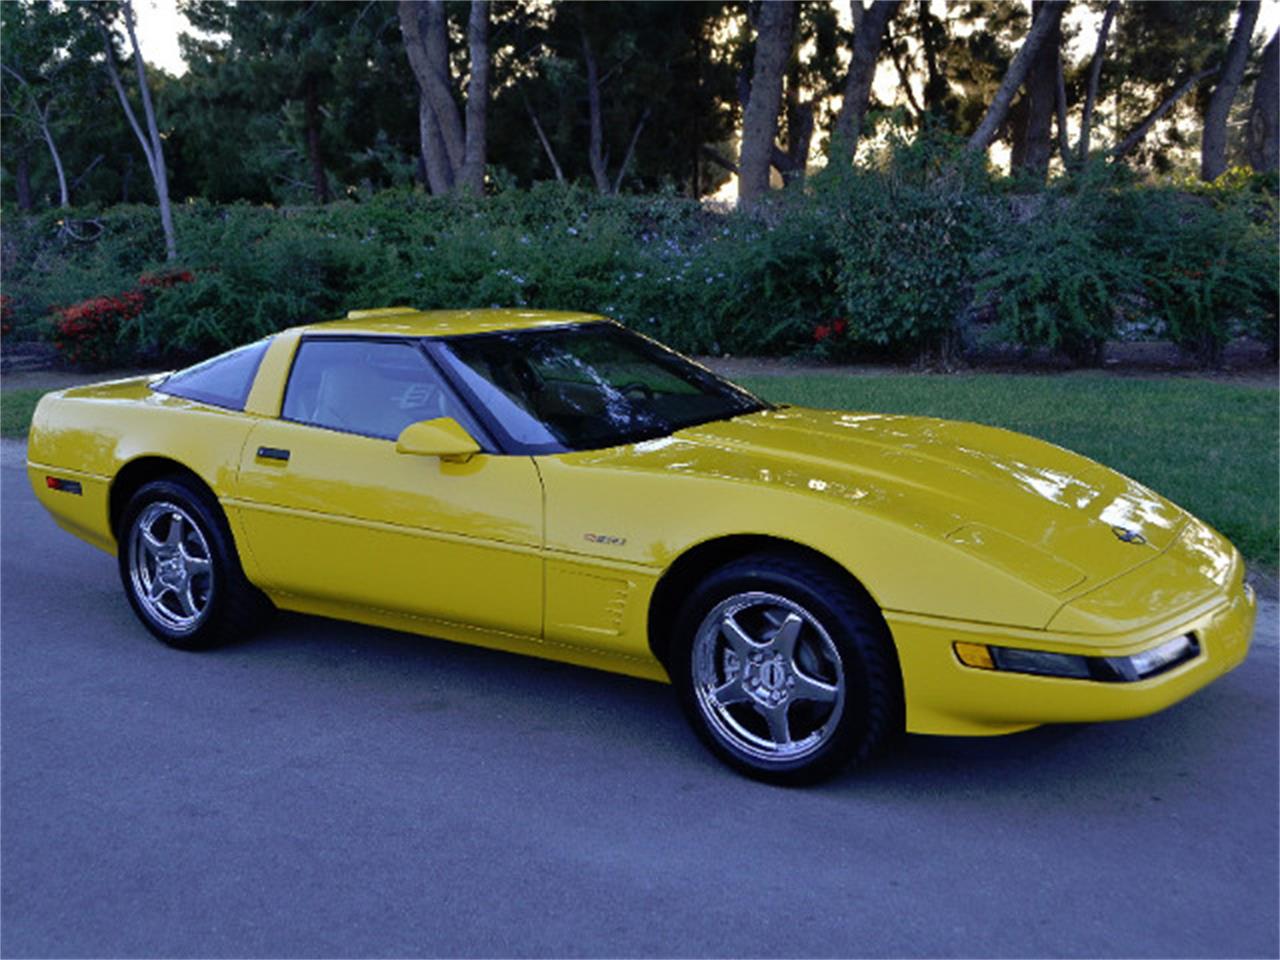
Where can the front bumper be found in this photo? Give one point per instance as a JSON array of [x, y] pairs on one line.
[[945, 697]]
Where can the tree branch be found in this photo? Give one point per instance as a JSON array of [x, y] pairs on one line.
[[718, 158], [1136, 135], [1041, 28], [631, 149], [546, 144]]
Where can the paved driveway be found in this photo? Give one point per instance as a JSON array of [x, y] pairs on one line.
[[333, 789]]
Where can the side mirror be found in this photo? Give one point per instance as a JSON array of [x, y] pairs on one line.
[[442, 437]]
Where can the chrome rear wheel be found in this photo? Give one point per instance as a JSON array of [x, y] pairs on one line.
[[179, 567], [170, 567]]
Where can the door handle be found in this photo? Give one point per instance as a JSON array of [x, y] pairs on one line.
[[274, 453]]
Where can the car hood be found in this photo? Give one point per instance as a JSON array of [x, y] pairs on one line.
[[1058, 520]]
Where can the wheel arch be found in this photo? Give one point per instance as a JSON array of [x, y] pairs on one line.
[[142, 470], [703, 558]]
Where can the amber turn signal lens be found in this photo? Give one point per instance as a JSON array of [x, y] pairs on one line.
[[974, 655]]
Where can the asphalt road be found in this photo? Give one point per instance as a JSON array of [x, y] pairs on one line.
[[329, 789]]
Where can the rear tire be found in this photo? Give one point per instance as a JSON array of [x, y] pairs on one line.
[[785, 671], [180, 571]]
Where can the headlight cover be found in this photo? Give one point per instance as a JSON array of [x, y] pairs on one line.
[[1043, 663]]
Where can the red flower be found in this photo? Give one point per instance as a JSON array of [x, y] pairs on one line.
[[821, 332]]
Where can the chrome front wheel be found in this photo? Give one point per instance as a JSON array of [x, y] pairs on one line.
[[767, 677], [170, 567], [785, 667]]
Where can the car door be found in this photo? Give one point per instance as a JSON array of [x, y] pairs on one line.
[[331, 512]]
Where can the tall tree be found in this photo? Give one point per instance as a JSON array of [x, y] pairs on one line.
[[590, 73], [1213, 139], [150, 141], [43, 56], [867, 38], [289, 102], [1044, 26], [760, 118], [1264, 113], [453, 151]]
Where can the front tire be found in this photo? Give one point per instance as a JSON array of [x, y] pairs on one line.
[[785, 671], [180, 570]]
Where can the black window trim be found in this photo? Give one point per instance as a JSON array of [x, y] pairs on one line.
[[199, 396], [486, 441]]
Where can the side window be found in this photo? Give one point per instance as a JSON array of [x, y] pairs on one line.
[[370, 387], [222, 381]]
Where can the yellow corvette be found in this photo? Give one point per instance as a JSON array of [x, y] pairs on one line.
[[811, 581]]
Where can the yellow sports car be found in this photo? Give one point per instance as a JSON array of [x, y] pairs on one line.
[[812, 582]]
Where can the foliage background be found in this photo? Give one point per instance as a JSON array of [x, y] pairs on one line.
[[912, 258]]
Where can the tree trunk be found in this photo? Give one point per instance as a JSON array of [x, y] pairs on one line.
[[152, 148], [153, 131], [454, 155], [440, 83], [434, 158], [760, 119], [1060, 102], [1095, 73], [1041, 84], [1264, 113], [595, 145], [1123, 148], [1042, 29], [64, 197], [862, 71], [311, 110], [931, 35], [1213, 141], [22, 177], [473, 164], [793, 163]]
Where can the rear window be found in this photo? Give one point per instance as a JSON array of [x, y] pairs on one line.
[[222, 381]]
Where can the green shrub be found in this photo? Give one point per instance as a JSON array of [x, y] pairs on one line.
[[888, 259], [906, 238], [1052, 275], [1208, 267]]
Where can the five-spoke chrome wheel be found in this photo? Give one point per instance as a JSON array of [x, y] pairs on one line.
[[170, 567], [767, 677]]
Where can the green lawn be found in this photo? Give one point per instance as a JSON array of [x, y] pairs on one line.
[[16, 407], [1210, 447]]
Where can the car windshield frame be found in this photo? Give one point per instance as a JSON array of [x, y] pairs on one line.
[[740, 402]]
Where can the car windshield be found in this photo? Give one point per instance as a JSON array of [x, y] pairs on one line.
[[585, 387]]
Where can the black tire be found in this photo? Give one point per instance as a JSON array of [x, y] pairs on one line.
[[188, 590], [836, 680]]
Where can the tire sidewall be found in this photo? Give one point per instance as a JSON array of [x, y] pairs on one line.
[[845, 742], [222, 557]]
